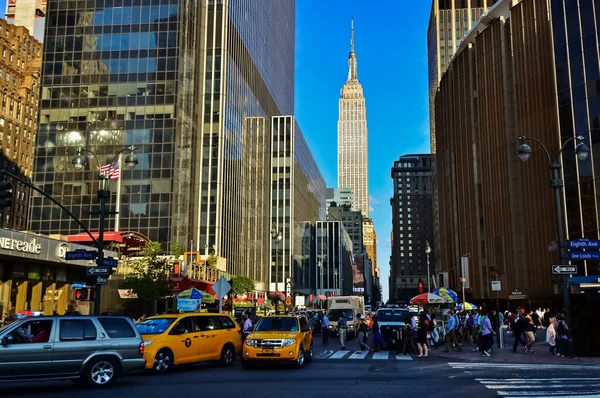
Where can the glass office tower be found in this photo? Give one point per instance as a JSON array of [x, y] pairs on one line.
[[118, 73]]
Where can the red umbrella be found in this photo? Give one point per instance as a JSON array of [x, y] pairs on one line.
[[427, 298]]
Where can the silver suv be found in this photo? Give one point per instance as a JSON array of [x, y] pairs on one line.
[[96, 350]]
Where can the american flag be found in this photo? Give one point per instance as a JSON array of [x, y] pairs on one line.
[[111, 170]]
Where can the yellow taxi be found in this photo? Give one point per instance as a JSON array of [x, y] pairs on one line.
[[279, 338], [177, 339]]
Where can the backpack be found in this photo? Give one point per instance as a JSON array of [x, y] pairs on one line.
[[470, 322], [561, 330]]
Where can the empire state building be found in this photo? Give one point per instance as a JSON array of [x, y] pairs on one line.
[[353, 158]]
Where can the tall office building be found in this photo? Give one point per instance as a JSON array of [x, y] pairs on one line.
[[20, 64], [353, 148], [182, 80], [449, 22], [28, 13], [334, 261], [352, 222], [297, 202], [370, 241], [341, 196], [411, 225]]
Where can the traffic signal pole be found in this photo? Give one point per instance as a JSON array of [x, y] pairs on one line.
[[103, 195]]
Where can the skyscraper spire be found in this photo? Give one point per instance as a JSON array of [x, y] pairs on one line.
[[352, 65]]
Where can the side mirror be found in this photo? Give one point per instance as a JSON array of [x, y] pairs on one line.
[[6, 340]]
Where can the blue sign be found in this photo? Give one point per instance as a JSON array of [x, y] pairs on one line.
[[78, 285], [584, 255], [110, 262], [584, 244], [81, 254]]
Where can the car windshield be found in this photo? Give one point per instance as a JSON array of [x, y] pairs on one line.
[[277, 324], [391, 315], [155, 326], [334, 314]]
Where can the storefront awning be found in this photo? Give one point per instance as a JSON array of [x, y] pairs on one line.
[[85, 238], [181, 284]]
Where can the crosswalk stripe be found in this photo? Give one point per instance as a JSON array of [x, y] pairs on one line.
[[549, 387], [339, 354], [381, 356], [403, 358], [512, 387], [554, 394], [481, 365], [359, 355], [526, 381]]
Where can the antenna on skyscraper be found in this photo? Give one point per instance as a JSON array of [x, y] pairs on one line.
[[352, 40]]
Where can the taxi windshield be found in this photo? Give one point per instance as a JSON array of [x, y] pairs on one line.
[[391, 315], [277, 324], [155, 326]]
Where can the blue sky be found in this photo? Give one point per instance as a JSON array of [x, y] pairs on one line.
[[391, 48]]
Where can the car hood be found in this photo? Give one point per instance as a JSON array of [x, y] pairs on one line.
[[272, 335], [392, 324]]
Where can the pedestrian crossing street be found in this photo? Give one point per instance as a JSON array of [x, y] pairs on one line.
[[536, 387], [363, 356]]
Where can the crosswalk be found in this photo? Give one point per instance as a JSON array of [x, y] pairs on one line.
[[535, 387], [362, 356]]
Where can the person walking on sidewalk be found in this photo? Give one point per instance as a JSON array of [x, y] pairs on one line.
[[411, 334], [487, 336], [342, 327], [530, 331], [422, 336], [562, 335], [451, 336], [551, 338], [361, 337], [325, 328], [518, 327]]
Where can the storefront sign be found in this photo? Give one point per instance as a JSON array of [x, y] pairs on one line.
[[189, 305], [32, 247]]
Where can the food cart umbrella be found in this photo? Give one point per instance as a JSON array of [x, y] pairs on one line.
[[447, 294], [466, 306], [427, 298]]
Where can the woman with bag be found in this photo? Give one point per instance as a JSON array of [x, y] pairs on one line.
[[551, 338]]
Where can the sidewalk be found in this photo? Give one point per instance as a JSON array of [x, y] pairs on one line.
[[505, 355]]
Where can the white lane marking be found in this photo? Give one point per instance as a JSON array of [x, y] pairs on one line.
[[403, 358], [501, 386], [339, 354], [479, 365], [359, 355], [553, 380], [573, 394], [381, 356], [324, 354]]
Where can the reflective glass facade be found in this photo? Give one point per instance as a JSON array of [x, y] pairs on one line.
[[575, 31], [247, 71], [333, 263], [118, 73], [298, 201]]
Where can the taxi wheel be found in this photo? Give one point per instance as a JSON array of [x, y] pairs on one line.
[[300, 359], [163, 361], [309, 353], [227, 355]]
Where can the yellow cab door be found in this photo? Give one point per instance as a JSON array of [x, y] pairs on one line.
[[306, 333], [208, 327], [183, 339]]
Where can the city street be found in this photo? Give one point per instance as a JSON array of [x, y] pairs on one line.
[[381, 375]]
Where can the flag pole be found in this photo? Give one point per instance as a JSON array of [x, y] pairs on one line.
[[118, 204]]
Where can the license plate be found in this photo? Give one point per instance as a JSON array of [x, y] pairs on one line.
[[267, 350]]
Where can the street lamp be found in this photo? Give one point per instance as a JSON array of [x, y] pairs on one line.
[[320, 265], [277, 236], [463, 281], [582, 151], [336, 282], [427, 251], [103, 194]]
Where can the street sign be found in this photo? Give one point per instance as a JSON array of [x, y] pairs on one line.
[[98, 271], [111, 262], [496, 286], [564, 269], [584, 255], [288, 301], [78, 285], [81, 254], [517, 296], [584, 243], [221, 287], [101, 280]]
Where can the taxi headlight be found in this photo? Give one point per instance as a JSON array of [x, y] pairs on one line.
[[251, 343], [146, 343], [288, 342]]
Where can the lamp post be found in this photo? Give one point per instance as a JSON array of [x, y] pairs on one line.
[[336, 283], [103, 195], [427, 251], [277, 236], [463, 281], [582, 151], [320, 265]]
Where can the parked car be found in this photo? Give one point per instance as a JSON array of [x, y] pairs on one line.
[[279, 338], [96, 350], [172, 340]]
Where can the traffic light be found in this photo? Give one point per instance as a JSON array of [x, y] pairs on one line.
[[420, 287], [6, 194], [93, 294], [81, 294]]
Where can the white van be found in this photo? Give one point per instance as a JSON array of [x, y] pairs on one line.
[[351, 305]]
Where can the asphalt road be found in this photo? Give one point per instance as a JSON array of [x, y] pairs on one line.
[[359, 377]]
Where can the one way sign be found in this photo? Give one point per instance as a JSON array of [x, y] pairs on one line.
[[564, 269]]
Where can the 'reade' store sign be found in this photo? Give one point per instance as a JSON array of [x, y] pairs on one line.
[[23, 246]]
